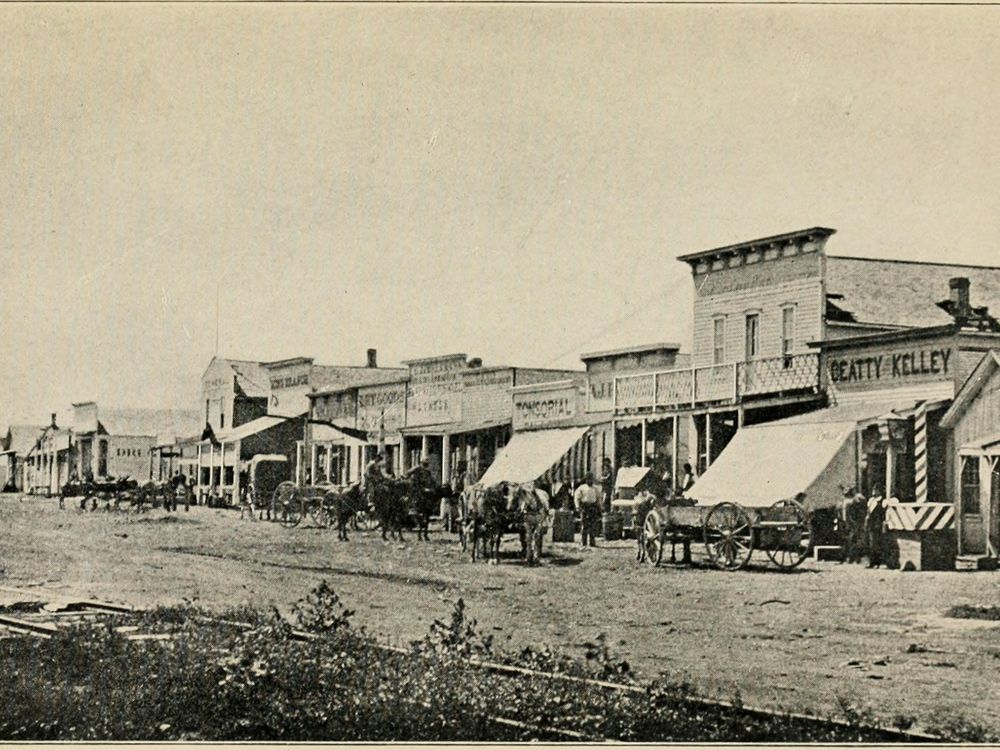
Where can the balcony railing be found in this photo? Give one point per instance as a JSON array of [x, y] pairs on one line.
[[726, 383]]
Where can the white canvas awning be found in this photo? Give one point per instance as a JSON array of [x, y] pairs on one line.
[[770, 462], [528, 455], [629, 476]]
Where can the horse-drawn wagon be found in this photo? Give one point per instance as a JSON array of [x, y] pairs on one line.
[[731, 532]]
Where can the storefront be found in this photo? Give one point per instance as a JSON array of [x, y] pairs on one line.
[[624, 431], [974, 421], [884, 434], [433, 406], [224, 457]]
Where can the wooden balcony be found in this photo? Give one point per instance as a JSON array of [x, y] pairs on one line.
[[729, 383]]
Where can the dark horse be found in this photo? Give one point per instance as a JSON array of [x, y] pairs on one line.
[[486, 517], [343, 506], [109, 490]]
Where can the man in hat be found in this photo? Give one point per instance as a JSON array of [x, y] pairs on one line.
[[588, 503]]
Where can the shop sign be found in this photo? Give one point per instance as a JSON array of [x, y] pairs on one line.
[[434, 393], [384, 407], [602, 391], [543, 408], [890, 367], [487, 379]]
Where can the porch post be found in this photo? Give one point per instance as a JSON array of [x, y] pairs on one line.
[[642, 450], [313, 456], [675, 451], [445, 458], [708, 439], [329, 461], [890, 468], [424, 447]]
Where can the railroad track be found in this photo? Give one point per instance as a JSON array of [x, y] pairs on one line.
[[41, 613]]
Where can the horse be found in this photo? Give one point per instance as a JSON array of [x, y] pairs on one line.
[[343, 505], [489, 518], [389, 501], [527, 508]]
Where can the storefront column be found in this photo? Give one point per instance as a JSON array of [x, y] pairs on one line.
[[708, 439], [445, 458], [675, 451], [313, 458], [614, 445], [329, 461], [211, 468], [197, 472], [642, 453], [299, 458], [424, 447], [890, 469]]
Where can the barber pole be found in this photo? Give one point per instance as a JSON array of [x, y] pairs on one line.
[[920, 451]]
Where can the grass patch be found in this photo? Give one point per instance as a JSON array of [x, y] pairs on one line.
[[973, 612], [251, 679]]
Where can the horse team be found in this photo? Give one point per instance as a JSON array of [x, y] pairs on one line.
[[481, 515]]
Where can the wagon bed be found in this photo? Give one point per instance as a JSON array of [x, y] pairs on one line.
[[731, 532]]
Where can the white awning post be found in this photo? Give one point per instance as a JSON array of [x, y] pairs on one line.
[[313, 456], [642, 452], [424, 447], [445, 458], [708, 439], [675, 450], [236, 470], [890, 461], [329, 461]]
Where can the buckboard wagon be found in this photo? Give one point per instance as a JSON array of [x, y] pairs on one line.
[[732, 532]]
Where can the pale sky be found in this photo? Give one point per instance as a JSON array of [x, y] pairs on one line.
[[510, 181]]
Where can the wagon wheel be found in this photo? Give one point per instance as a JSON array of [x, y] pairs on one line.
[[287, 505], [791, 535], [319, 512], [652, 538], [728, 536]]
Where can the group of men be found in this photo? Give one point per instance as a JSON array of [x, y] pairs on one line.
[[862, 527]]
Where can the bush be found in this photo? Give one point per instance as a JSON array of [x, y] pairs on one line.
[[254, 679]]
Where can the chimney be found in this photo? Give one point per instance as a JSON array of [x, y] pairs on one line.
[[53, 424], [959, 295], [475, 363], [373, 357]]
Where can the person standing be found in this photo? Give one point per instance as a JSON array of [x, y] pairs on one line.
[[587, 501], [874, 529], [687, 479], [607, 484]]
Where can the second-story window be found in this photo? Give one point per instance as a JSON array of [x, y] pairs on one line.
[[787, 333], [222, 418], [718, 341], [753, 335]]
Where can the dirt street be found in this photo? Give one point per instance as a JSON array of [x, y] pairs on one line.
[[802, 640]]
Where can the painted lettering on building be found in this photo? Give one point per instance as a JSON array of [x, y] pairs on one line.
[[129, 452], [932, 363], [434, 391], [290, 381], [489, 378], [546, 407]]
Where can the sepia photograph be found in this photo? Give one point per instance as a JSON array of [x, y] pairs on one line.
[[499, 372]]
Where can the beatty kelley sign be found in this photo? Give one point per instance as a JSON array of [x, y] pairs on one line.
[[930, 363]]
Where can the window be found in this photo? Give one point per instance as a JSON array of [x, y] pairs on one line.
[[787, 334], [970, 487], [222, 419], [753, 335], [718, 341], [206, 411]]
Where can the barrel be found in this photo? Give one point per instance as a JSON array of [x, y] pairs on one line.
[[562, 526], [611, 525]]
